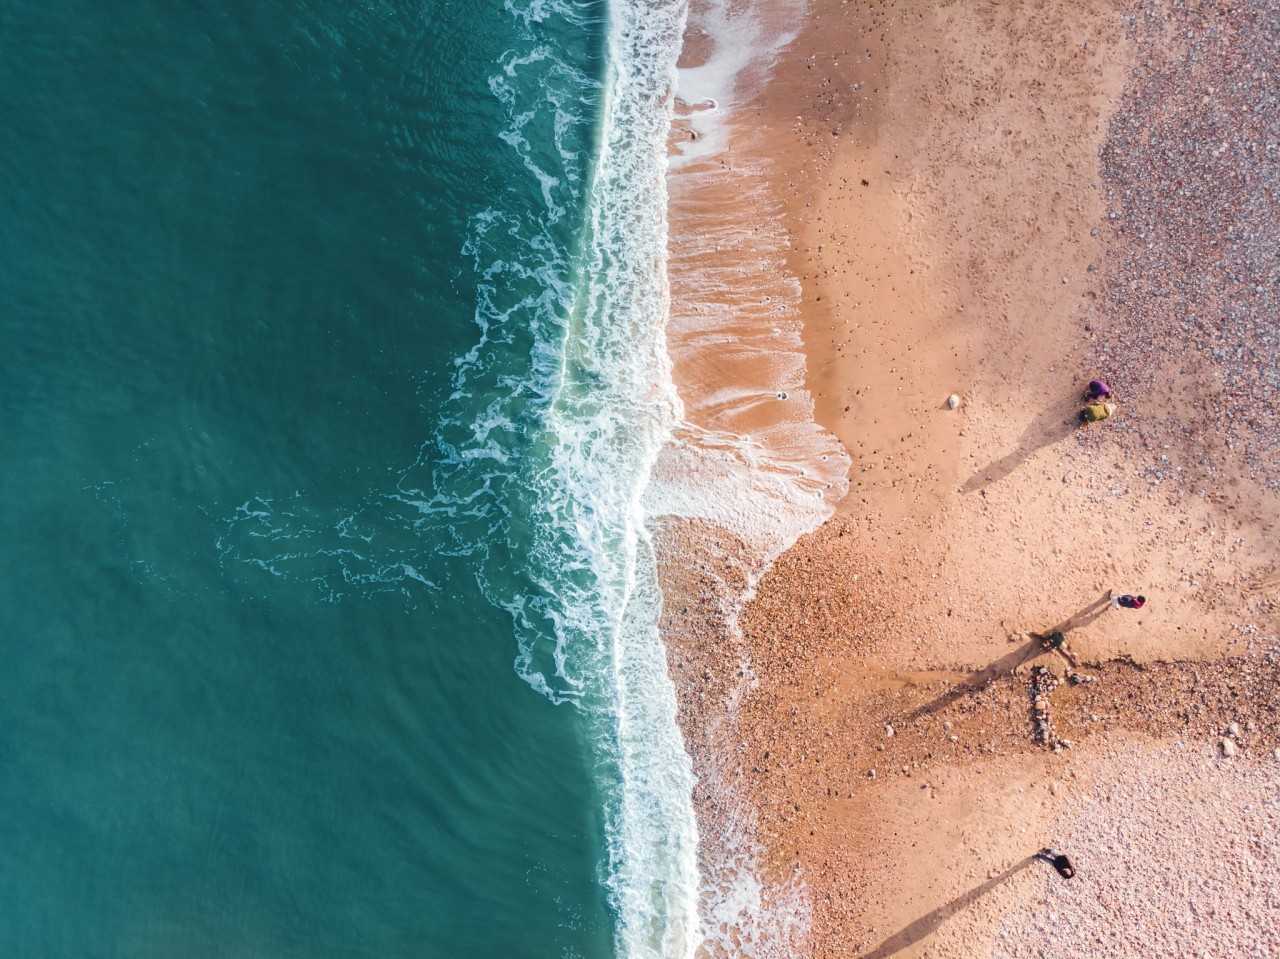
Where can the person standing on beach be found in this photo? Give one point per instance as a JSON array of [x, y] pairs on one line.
[[1129, 602], [1058, 861], [1056, 642]]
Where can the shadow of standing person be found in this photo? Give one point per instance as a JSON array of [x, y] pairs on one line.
[[1051, 426], [1085, 616], [977, 681], [928, 923]]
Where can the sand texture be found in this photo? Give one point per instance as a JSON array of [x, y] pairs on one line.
[[1002, 201]]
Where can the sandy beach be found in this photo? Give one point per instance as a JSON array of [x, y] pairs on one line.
[[998, 202]]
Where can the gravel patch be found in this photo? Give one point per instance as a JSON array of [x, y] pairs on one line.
[[1187, 326], [1176, 856]]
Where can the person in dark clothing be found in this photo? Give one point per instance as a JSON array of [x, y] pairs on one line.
[[1054, 640], [1059, 862], [1130, 602]]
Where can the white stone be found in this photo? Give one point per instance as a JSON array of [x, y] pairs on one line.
[[1228, 747], [888, 730], [953, 401]]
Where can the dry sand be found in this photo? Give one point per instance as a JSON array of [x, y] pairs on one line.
[[1002, 201]]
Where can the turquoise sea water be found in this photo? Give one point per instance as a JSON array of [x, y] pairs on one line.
[[330, 375]]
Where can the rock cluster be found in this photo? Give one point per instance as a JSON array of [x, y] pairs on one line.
[[1229, 744], [1041, 684]]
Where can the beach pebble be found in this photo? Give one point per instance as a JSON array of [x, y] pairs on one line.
[[953, 401]]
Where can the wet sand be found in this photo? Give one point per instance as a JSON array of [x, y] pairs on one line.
[[996, 201]]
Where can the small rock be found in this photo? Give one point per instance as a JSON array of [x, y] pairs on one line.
[[947, 726], [954, 739], [871, 774], [1234, 730], [888, 730], [1228, 747], [953, 401]]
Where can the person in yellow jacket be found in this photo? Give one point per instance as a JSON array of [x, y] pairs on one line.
[[1097, 412]]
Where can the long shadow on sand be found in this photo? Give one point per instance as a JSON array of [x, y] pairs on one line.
[[979, 680], [1051, 426], [1010, 661], [929, 922], [1085, 616]]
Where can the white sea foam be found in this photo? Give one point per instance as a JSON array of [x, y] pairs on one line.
[[557, 447], [751, 459], [627, 456], [611, 410], [614, 412], [742, 45]]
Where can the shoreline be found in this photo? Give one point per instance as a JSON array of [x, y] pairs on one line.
[[749, 470], [953, 190]]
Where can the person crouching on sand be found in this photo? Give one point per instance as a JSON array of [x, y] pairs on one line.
[[1097, 391], [1097, 412]]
